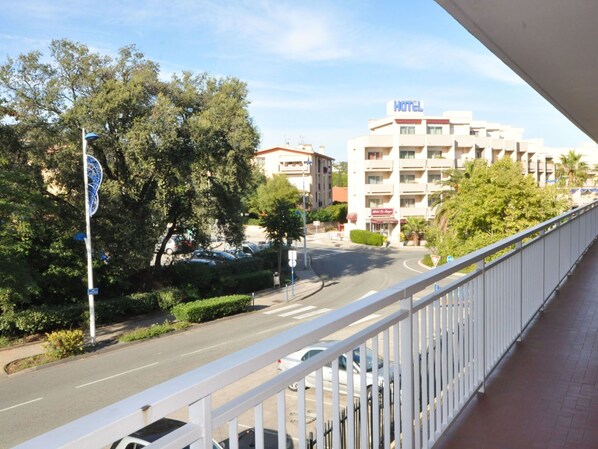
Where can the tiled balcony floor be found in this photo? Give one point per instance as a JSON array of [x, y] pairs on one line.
[[544, 394]]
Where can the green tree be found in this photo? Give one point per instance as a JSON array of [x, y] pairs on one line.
[[413, 228], [496, 201], [572, 169], [283, 225], [340, 177], [276, 189], [174, 153]]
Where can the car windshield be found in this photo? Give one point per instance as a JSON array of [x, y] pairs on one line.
[[369, 359]]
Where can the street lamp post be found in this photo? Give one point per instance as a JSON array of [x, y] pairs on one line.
[[308, 163], [86, 138]]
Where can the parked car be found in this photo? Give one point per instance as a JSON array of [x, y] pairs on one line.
[[238, 253], [151, 433], [211, 258], [176, 244], [310, 381]]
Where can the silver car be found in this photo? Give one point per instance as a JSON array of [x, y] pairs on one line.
[[151, 433], [310, 381]]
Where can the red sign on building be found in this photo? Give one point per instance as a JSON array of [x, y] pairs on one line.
[[383, 212]]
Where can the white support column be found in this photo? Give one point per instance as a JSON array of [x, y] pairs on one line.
[[200, 414], [406, 336]]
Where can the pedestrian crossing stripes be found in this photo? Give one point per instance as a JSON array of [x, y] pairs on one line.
[[301, 312]]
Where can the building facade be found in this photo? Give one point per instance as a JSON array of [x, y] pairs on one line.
[[306, 169], [396, 170]]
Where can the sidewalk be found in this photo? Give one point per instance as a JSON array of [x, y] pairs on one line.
[[308, 284]]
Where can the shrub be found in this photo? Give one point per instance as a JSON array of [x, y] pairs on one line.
[[155, 330], [366, 237], [247, 283], [65, 343], [240, 266], [113, 310], [270, 258], [335, 212], [169, 297], [212, 308], [189, 275], [45, 319]]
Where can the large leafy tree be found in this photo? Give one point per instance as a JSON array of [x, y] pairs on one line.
[[496, 201], [340, 175], [274, 190], [283, 225], [175, 154]]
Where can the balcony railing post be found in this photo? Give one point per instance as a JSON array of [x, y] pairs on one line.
[[519, 249], [200, 413], [543, 236], [481, 327], [406, 337]]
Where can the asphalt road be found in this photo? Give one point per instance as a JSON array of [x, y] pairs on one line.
[[34, 402]]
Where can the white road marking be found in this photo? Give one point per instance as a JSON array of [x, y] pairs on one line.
[[271, 329], [117, 375], [409, 268], [20, 405], [292, 306], [371, 292], [308, 314], [364, 319], [204, 349], [294, 312]]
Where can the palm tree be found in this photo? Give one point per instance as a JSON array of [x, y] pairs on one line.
[[415, 227], [572, 168]]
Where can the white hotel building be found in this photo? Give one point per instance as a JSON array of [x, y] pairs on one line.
[[395, 169]]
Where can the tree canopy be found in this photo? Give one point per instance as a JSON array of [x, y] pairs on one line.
[[275, 189], [176, 154], [493, 202], [572, 170]]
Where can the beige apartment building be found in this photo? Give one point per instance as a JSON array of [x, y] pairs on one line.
[[395, 169], [306, 169]]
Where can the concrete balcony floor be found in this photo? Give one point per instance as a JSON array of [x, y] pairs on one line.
[[544, 394]]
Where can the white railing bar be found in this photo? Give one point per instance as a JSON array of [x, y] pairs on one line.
[[181, 437], [272, 386]]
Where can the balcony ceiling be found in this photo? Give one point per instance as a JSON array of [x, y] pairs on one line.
[[551, 44]]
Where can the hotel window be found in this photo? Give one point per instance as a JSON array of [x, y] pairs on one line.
[[479, 154], [434, 129], [434, 154], [407, 178], [374, 179], [408, 202], [374, 202], [407, 130], [433, 177], [374, 155], [405, 154]]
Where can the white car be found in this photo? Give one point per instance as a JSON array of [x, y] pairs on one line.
[[310, 381], [151, 433]]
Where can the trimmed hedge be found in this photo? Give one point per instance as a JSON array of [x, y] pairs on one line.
[[366, 237], [212, 308], [247, 283]]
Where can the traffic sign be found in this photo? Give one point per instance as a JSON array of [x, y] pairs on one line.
[[292, 263], [293, 254], [92, 291], [435, 259], [449, 258]]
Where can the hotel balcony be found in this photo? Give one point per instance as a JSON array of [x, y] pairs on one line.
[[378, 165], [418, 164], [440, 140], [412, 188], [440, 163], [412, 140], [501, 356], [379, 189], [413, 212]]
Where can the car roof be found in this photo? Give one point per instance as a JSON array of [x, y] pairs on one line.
[[158, 429]]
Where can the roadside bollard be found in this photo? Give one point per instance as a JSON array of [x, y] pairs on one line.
[[253, 300], [286, 286]]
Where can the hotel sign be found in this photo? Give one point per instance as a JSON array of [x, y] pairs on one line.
[[408, 106], [383, 212]]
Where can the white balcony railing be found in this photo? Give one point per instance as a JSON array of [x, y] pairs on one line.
[[379, 189], [441, 344]]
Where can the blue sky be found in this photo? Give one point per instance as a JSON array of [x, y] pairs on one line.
[[316, 70]]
